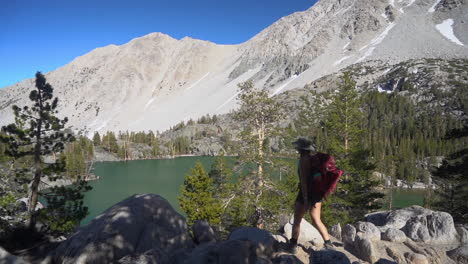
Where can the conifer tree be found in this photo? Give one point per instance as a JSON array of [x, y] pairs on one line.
[[221, 174], [259, 113], [197, 197], [96, 139], [452, 177], [356, 194], [109, 142], [344, 117], [37, 132]]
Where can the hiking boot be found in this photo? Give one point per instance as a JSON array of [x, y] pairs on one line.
[[291, 248], [328, 245]]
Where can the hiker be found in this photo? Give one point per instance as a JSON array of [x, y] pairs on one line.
[[318, 177]]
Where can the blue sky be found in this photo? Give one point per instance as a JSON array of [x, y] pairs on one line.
[[45, 35]]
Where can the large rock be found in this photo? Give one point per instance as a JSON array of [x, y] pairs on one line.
[[154, 256], [308, 232], [398, 218], [436, 227], [329, 257], [335, 231], [416, 229], [462, 234], [286, 259], [131, 227], [377, 218], [226, 252], [7, 258], [415, 258], [348, 235], [369, 230], [264, 240], [394, 235], [203, 232], [460, 255], [441, 228], [364, 248], [419, 224], [395, 254]]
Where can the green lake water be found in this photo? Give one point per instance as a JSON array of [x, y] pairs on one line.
[[119, 180]]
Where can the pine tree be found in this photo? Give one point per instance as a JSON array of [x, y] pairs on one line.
[[356, 195], [259, 113], [452, 177], [109, 142], [37, 132], [197, 197], [221, 174], [344, 117], [96, 139]]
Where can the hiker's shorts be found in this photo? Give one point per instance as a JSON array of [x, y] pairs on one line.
[[312, 200]]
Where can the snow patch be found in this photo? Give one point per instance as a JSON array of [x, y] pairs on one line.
[[367, 54], [195, 83], [228, 100], [277, 91], [384, 15], [376, 41], [391, 2], [432, 9], [386, 71], [411, 2], [401, 10], [341, 60], [149, 102], [446, 29], [347, 44], [382, 36], [380, 90]]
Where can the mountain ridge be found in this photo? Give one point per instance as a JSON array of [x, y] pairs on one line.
[[155, 81]]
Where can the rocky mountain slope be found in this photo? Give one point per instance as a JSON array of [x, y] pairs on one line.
[[155, 81]]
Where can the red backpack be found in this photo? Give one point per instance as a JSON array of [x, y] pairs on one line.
[[325, 164]]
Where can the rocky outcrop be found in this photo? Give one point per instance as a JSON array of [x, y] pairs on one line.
[[7, 258], [394, 235], [203, 232], [329, 256], [460, 255], [349, 236], [462, 234], [146, 229], [368, 230], [307, 232], [335, 231], [229, 252], [262, 239], [418, 224], [364, 248], [153, 256], [435, 227], [135, 226]]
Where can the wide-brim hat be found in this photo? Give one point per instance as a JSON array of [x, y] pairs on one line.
[[303, 143]]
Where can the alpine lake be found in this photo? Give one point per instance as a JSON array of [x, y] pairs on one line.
[[119, 180]]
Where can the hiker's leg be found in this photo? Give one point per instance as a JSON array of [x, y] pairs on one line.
[[315, 215], [299, 212]]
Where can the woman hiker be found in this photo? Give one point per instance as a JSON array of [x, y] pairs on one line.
[[318, 177]]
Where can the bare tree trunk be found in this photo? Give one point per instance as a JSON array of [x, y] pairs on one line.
[[37, 175]]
